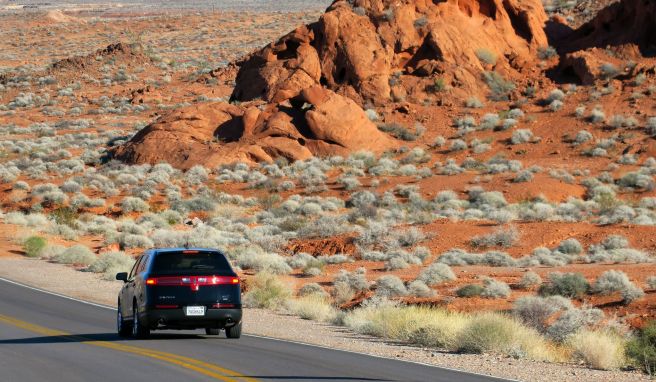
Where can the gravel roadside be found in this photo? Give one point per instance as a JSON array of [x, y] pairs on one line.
[[89, 286]]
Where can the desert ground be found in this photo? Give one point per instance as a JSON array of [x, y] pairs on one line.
[[424, 172]]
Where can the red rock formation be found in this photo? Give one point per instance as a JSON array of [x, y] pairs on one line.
[[354, 50], [626, 28], [322, 123]]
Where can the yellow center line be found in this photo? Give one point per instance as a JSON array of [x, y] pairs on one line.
[[201, 367]]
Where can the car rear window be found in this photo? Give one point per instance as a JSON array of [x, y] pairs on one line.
[[190, 263]]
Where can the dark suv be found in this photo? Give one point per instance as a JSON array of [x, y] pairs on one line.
[[180, 288]]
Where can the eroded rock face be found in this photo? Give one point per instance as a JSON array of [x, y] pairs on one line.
[[364, 50], [318, 122], [626, 29]]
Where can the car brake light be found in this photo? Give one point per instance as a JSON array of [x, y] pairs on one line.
[[192, 281], [189, 252], [223, 306]]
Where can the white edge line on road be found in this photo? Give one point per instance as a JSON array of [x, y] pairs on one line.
[[269, 338], [57, 294]]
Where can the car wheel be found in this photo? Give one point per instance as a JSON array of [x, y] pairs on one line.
[[122, 327], [212, 331], [139, 330], [234, 331]]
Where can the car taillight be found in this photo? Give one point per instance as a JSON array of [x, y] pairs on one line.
[[192, 280], [166, 306], [223, 306]]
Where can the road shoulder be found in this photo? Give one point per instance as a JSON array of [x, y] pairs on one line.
[[90, 287]]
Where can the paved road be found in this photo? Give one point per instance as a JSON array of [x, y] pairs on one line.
[[49, 338]]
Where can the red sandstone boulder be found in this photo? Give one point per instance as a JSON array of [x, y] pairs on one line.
[[360, 47]]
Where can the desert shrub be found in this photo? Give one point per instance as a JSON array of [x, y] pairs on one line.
[[496, 333], [51, 250], [489, 121], [111, 263], [597, 116], [458, 145], [615, 242], [600, 349], [521, 136], [536, 311], [486, 56], [409, 237], [470, 290], [556, 105], [436, 273], [503, 237], [494, 288], [424, 325], [572, 320], [265, 290], [523, 176], [583, 136], [396, 263], [402, 132], [529, 280], [261, 261], [347, 284], [565, 284], [474, 103], [637, 180], [651, 281], [132, 204], [390, 286], [500, 88], [555, 95], [77, 255], [419, 288], [641, 349], [196, 175], [34, 245], [312, 289], [313, 307], [617, 281], [570, 247]]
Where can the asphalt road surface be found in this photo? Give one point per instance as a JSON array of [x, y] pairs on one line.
[[44, 337]]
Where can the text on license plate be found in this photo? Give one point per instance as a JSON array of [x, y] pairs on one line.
[[195, 310]]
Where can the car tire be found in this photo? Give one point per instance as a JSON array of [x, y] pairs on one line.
[[234, 331], [212, 331], [139, 330], [122, 326]]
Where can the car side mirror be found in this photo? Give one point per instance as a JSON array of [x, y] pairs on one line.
[[123, 276]]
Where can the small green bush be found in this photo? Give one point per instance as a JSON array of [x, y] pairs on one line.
[[34, 245], [641, 350], [500, 87], [572, 285], [470, 290]]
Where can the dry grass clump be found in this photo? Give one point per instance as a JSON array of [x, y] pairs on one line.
[[600, 349], [453, 331], [266, 291], [313, 307]]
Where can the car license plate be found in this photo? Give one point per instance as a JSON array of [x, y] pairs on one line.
[[195, 310]]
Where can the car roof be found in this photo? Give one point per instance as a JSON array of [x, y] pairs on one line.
[[179, 249]]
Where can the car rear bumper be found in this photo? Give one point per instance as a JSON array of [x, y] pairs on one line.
[[176, 318]]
